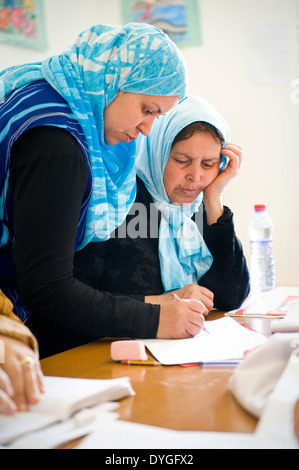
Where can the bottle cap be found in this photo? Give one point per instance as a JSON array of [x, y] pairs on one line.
[[260, 207]]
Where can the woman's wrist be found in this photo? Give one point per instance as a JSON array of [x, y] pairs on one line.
[[158, 299], [214, 210]]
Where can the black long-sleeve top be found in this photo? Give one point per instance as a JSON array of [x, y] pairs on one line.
[[100, 291], [125, 265]]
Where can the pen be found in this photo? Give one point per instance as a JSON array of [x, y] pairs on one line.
[[223, 363], [201, 364], [141, 363]]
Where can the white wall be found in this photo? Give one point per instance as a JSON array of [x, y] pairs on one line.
[[263, 117]]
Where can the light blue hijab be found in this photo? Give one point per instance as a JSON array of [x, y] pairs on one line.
[[184, 256], [137, 58]]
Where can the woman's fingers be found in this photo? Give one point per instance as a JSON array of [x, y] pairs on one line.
[[7, 405]]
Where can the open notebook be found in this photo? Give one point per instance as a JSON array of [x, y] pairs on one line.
[[63, 397]]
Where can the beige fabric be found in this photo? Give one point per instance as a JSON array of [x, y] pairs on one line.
[[254, 380], [11, 325]]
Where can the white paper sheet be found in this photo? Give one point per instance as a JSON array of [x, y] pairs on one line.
[[223, 340], [125, 435]]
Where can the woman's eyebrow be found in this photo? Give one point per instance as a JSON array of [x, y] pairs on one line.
[[183, 154], [152, 107], [158, 110], [204, 159], [211, 159]]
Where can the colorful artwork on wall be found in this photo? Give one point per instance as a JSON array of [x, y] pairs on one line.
[[22, 23], [177, 18]]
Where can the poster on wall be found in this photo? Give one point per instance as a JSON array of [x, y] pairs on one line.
[[177, 18], [22, 23]]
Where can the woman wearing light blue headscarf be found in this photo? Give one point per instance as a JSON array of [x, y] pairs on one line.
[[184, 256], [78, 92]]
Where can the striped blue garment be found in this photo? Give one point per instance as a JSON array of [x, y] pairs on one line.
[[86, 77], [55, 112]]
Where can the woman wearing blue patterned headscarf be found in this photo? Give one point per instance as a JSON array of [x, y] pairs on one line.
[[170, 243], [103, 91]]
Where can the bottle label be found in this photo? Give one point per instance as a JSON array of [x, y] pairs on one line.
[[262, 267], [264, 247]]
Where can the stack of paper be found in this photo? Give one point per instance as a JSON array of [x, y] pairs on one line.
[[55, 417], [222, 340], [272, 304]]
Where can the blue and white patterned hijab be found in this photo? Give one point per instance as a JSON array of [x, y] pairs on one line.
[[135, 58], [184, 256]]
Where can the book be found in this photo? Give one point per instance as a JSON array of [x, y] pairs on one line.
[[272, 304], [63, 397]]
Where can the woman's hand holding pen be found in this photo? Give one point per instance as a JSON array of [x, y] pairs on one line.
[[181, 318], [213, 193], [191, 291]]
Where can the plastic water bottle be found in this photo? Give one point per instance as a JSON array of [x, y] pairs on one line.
[[262, 266]]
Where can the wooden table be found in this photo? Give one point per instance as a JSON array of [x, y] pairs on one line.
[[175, 397]]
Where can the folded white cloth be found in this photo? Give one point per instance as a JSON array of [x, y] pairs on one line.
[[253, 381]]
